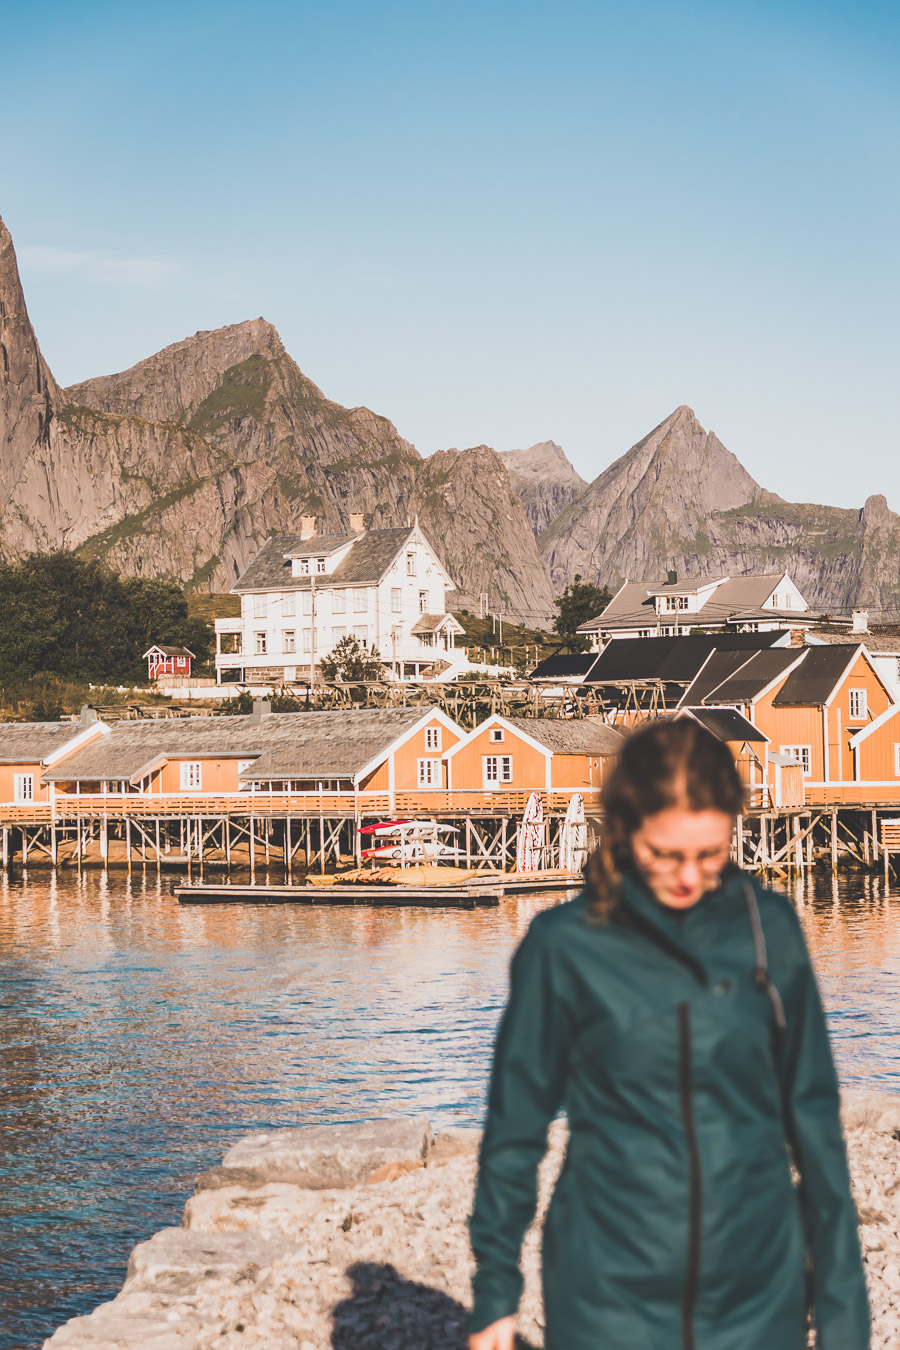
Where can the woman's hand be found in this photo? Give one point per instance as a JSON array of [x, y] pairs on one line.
[[498, 1336]]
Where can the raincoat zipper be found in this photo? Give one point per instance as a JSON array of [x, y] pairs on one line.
[[692, 1273]]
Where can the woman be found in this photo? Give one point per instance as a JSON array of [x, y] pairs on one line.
[[671, 1010]]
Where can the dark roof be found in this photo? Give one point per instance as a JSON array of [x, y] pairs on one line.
[[32, 742], [431, 623], [319, 545], [369, 557], [814, 680], [286, 745], [559, 667], [745, 682], [727, 724], [674, 660], [169, 651], [718, 668], [578, 736]]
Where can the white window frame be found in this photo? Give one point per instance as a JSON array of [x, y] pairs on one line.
[[339, 602], [243, 764], [360, 601], [191, 775], [338, 635], [307, 641], [260, 606], [433, 738], [496, 770], [802, 754], [428, 773], [23, 787], [361, 634], [396, 600], [423, 602], [320, 565], [496, 735], [410, 564], [290, 641], [306, 604], [261, 644], [897, 759], [859, 697], [288, 605]]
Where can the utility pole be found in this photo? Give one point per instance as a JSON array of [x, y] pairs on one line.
[[312, 636], [500, 621]]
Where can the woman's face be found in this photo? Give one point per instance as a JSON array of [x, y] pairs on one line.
[[681, 853]]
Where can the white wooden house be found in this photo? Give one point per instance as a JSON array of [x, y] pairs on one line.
[[303, 593]]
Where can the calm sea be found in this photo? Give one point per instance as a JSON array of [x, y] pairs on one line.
[[140, 1039]]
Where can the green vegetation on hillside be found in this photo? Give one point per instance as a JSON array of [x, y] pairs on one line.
[[517, 646], [242, 393], [75, 619]]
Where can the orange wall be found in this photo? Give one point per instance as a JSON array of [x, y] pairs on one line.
[[580, 773], [407, 755], [806, 725], [217, 775], [529, 765], [876, 754], [7, 775]]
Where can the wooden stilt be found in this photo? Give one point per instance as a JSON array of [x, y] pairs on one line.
[[252, 847], [227, 828], [798, 844], [834, 841], [24, 846], [739, 831], [128, 841], [287, 846], [322, 844], [104, 842], [6, 846], [158, 857]]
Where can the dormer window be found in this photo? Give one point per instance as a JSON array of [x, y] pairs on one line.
[[320, 564], [303, 567]]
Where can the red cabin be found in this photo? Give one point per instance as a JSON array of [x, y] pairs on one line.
[[168, 661]]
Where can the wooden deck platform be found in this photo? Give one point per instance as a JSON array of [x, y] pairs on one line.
[[467, 894]]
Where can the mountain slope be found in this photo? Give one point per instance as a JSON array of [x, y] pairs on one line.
[[184, 464], [680, 499], [543, 480]]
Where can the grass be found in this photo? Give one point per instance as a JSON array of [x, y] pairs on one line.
[[242, 393], [522, 646], [202, 605]]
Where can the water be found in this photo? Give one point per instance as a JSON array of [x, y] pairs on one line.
[[140, 1039]]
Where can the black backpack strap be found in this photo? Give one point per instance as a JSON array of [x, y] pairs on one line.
[[761, 973]]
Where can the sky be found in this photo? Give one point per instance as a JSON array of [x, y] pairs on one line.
[[495, 223]]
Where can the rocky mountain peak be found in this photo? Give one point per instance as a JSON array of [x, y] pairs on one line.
[[876, 512], [544, 481], [172, 384]]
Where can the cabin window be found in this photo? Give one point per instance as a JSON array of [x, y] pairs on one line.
[[191, 776], [496, 769], [410, 564], [290, 640], [289, 605], [23, 787], [339, 602], [423, 602], [360, 601], [320, 564], [428, 772], [396, 600], [243, 764], [801, 754], [859, 705], [495, 734], [259, 606], [260, 643], [432, 738]]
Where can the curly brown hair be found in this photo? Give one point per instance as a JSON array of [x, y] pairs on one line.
[[669, 762]]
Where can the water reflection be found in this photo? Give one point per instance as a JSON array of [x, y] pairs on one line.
[[140, 1038]]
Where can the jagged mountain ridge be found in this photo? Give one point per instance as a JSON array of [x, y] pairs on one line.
[[544, 481], [185, 463], [679, 499]]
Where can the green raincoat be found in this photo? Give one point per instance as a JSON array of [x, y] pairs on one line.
[[675, 1224]]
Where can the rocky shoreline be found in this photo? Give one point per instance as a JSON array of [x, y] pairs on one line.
[[353, 1237]]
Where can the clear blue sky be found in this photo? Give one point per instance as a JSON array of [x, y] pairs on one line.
[[493, 222]]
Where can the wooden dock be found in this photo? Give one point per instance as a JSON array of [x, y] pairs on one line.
[[467, 894]]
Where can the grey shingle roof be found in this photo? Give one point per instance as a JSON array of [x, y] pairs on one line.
[[578, 736], [297, 745], [32, 742], [368, 560], [814, 680], [319, 545], [736, 598], [561, 667]]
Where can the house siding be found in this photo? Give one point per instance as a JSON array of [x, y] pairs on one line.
[[528, 764]]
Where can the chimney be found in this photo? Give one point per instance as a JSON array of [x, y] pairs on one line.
[[88, 716], [261, 708], [671, 577], [860, 622], [307, 527], [798, 637], [356, 522]]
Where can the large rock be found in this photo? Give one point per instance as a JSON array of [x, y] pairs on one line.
[[865, 1109], [323, 1156], [274, 1206], [544, 481]]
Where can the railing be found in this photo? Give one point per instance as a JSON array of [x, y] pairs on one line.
[[441, 802], [849, 794]]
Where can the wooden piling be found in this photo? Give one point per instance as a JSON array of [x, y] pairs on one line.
[[834, 841]]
